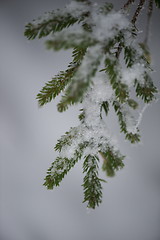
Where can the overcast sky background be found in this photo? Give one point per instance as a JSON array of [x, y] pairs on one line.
[[131, 200]]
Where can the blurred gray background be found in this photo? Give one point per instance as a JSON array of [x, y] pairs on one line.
[[131, 200]]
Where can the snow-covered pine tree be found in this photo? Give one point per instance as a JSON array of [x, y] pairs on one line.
[[108, 65]]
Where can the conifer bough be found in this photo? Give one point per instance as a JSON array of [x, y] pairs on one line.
[[110, 69]]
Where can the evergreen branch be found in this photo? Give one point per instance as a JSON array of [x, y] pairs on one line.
[[137, 12], [59, 82], [92, 184], [147, 90], [67, 139], [122, 118], [82, 116], [46, 27], [120, 40], [112, 161], [55, 86], [82, 79], [130, 55], [139, 55], [62, 165], [121, 89], [56, 21], [78, 54], [132, 103], [105, 107], [71, 40], [93, 39]]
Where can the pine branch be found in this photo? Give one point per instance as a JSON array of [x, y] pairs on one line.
[[46, 27], [137, 12], [122, 114], [105, 107], [82, 79], [62, 165], [112, 161], [60, 81], [97, 77], [71, 40], [146, 90], [129, 56], [56, 21], [92, 183], [112, 69]]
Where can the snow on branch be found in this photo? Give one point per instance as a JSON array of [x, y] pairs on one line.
[[109, 67]]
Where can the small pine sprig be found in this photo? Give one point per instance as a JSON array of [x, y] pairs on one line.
[[122, 118], [54, 21], [112, 69], [82, 79], [112, 161], [146, 90], [62, 165], [92, 183], [54, 87], [46, 27]]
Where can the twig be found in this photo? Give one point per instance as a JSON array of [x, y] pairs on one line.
[[150, 9], [134, 19], [126, 5], [137, 12]]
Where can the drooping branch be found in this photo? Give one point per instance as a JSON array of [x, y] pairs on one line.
[[98, 79]]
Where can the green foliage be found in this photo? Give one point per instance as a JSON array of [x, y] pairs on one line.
[[59, 82], [55, 21], [105, 107], [61, 166], [112, 161], [129, 56], [108, 64], [122, 115], [44, 28], [80, 82], [121, 89], [146, 90], [92, 184]]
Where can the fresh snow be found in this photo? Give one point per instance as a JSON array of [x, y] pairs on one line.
[[94, 130]]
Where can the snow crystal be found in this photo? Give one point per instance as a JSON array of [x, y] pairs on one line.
[[76, 9], [101, 90], [93, 129], [135, 72], [107, 26], [93, 53], [132, 122], [73, 35], [141, 115]]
